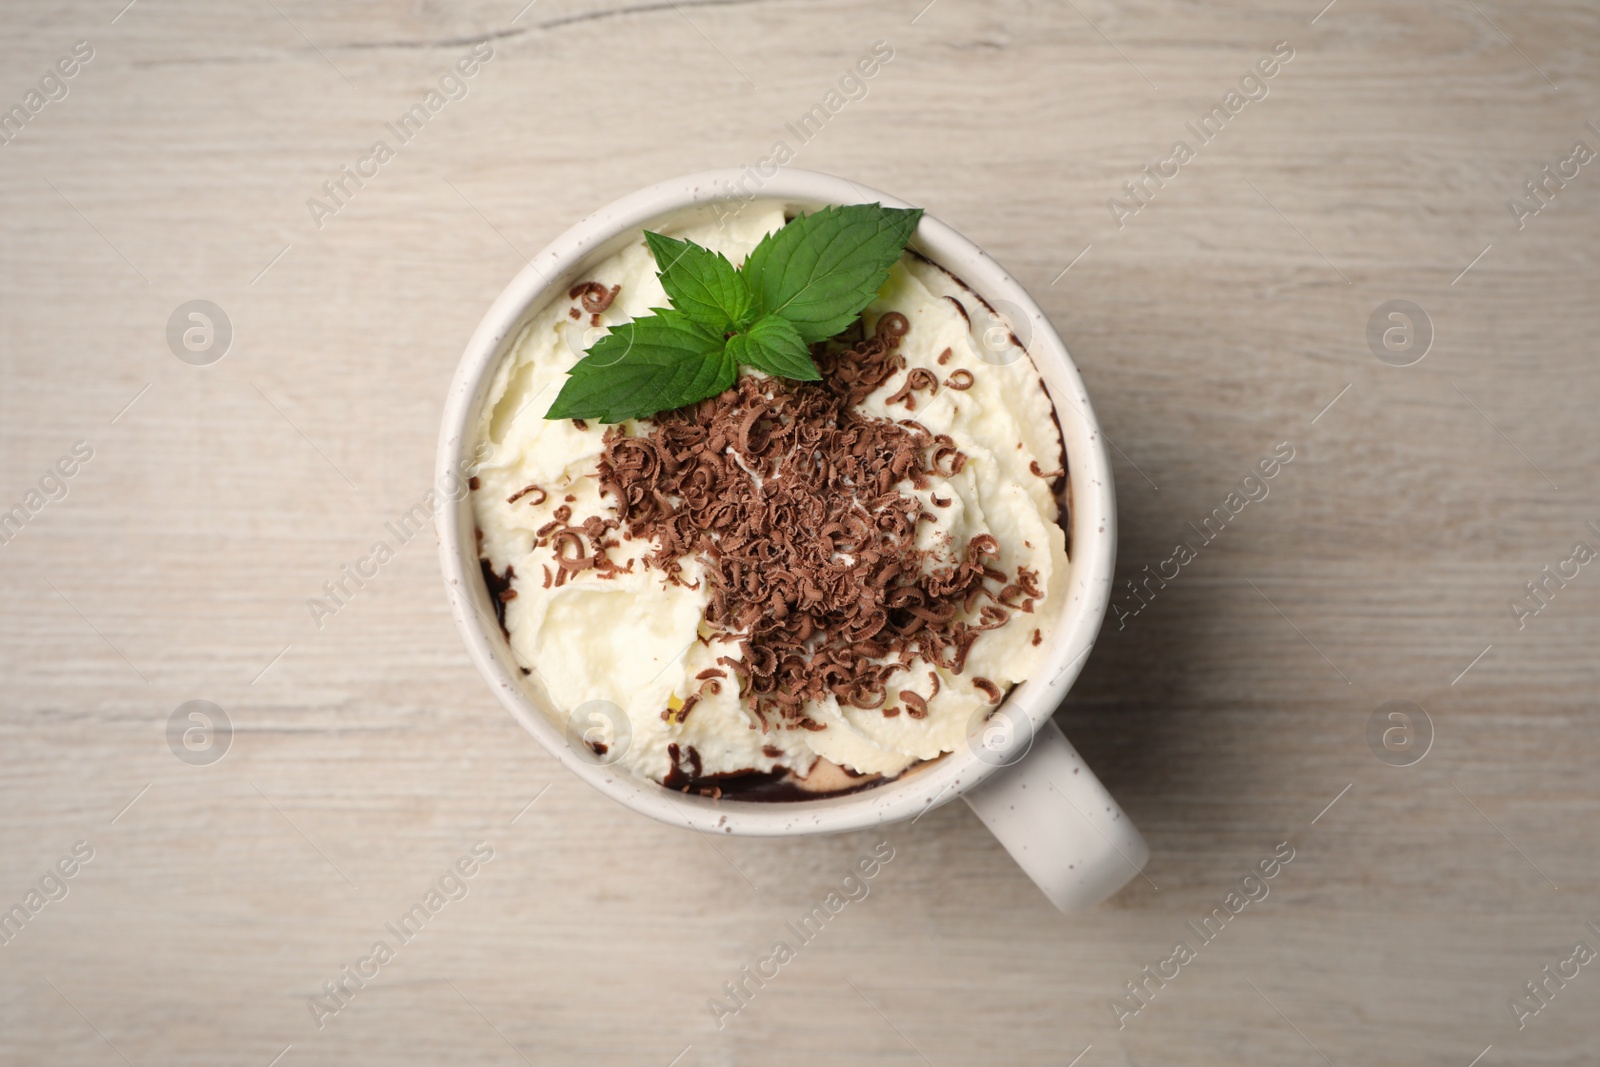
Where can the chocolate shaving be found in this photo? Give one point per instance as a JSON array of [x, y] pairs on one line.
[[918, 378], [683, 713], [594, 297], [524, 491], [795, 505], [989, 688], [944, 357], [580, 560], [1028, 580], [893, 325], [916, 706], [945, 449], [961, 379]]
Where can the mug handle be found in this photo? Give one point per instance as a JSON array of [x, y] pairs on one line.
[[1060, 824]]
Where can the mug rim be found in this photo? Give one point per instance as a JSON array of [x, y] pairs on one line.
[[1092, 533]]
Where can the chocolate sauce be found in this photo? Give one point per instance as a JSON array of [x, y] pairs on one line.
[[498, 585], [766, 787]]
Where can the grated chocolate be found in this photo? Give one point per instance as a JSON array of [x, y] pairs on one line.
[[795, 503]]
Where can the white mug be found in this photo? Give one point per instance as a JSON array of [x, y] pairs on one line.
[[1018, 772]]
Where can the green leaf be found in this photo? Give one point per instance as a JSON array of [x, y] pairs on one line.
[[820, 270], [802, 284], [773, 344], [701, 283], [651, 364]]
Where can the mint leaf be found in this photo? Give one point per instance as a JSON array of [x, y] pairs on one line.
[[773, 344], [820, 270], [802, 284], [701, 283], [651, 364]]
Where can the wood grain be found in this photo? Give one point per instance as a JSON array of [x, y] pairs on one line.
[[1219, 320]]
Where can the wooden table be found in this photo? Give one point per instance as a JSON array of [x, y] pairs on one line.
[[1229, 313]]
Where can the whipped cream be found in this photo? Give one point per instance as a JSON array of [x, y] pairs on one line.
[[638, 641]]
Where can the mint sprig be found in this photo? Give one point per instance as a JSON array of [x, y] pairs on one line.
[[701, 283], [775, 345], [820, 271], [627, 373], [802, 284]]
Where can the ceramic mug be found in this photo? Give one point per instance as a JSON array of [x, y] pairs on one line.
[[1017, 771]]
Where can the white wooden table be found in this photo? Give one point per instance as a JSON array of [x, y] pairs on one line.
[[1230, 313]]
